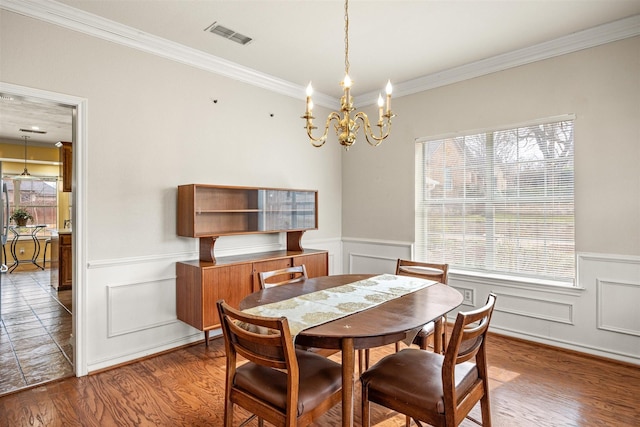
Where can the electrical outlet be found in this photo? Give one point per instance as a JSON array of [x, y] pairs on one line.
[[467, 295]]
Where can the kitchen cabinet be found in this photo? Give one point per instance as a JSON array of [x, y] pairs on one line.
[[66, 160], [61, 260]]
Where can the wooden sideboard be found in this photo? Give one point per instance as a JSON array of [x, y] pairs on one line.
[[207, 212], [200, 284]]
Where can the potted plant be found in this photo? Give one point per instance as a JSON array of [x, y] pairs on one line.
[[20, 216]]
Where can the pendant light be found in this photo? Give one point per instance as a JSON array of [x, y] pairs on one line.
[[25, 173]]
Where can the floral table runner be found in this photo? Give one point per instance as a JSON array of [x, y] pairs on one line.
[[307, 311]]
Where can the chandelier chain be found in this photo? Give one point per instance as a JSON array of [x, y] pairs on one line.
[[346, 37]]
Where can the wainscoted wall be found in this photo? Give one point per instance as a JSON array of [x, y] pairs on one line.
[[131, 309], [599, 316], [373, 256]]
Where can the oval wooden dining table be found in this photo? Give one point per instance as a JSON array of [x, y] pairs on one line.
[[384, 324]]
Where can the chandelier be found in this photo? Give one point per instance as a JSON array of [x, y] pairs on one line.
[[346, 125]]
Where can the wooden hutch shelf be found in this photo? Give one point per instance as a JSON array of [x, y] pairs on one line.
[[210, 211]]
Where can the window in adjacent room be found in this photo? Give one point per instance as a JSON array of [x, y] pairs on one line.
[[38, 196], [499, 201]]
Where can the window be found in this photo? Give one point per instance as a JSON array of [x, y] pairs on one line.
[[500, 201], [38, 196]]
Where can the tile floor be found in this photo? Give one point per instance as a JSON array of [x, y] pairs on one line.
[[35, 331]]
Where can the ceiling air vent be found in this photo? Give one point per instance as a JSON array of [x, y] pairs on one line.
[[42, 132], [227, 33]]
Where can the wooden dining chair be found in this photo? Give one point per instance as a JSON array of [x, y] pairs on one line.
[[437, 329], [285, 276], [434, 388], [277, 383], [428, 271], [282, 276]]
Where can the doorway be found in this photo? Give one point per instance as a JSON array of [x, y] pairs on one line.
[[44, 319]]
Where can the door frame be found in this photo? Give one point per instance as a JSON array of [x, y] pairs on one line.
[[79, 289]]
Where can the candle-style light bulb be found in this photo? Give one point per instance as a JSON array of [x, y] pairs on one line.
[[347, 81], [388, 90], [309, 102], [380, 105], [346, 99]]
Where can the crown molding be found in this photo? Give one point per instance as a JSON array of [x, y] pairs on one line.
[[592, 37], [87, 23], [93, 25]]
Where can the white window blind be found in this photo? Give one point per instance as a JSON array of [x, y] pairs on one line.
[[499, 201]]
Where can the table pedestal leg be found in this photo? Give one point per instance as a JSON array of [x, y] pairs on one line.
[[438, 332], [348, 367]]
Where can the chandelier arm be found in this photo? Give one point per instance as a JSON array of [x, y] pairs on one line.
[[368, 132], [319, 142]]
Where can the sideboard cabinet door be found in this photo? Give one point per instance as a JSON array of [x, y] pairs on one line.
[[231, 283], [317, 265]]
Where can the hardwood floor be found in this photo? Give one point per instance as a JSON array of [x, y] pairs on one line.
[[531, 385]]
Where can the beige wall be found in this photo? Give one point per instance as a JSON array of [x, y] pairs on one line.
[[152, 125], [601, 86]]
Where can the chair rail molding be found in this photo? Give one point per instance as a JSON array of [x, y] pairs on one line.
[[597, 316]]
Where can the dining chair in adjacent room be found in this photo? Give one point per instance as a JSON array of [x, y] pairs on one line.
[[428, 271], [433, 388], [282, 276], [271, 379]]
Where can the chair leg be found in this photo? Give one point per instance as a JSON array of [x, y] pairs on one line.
[[407, 421], [485, 409], [228, 414], [366, 420], [397, 347], [44, 258], [363, 360]]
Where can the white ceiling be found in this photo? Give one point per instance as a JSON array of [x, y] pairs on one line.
[[301, 41]]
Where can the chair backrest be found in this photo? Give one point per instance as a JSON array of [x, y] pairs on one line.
[[265, 341], [424, 270], [467, 342], [283, 276]]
